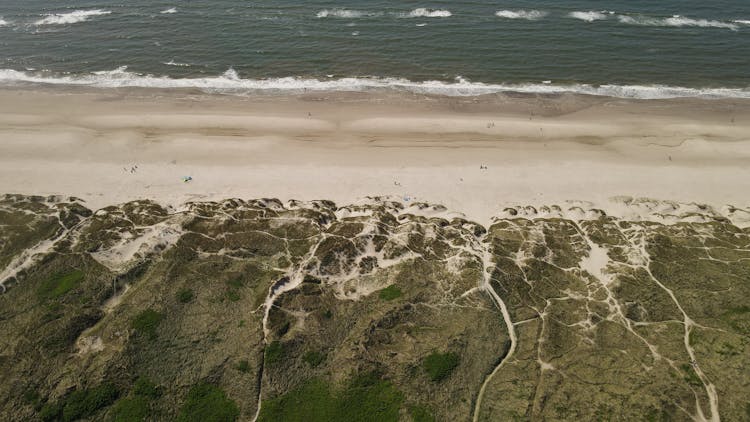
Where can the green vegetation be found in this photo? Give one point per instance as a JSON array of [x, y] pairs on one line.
[[691, 377], [59, 284], [366, 398], [420, 414], [50, 412], [310, 403], [236, 282], [314, 358], [146, 388], [284, 329], [440, 365], [243, 250], [274, 352], [130, 409], [739, 318], [135, 407], [391, 292], [80, 404], [208, 403], [147, 322], [32, 397], [233, 295], [185, 296], [243, 366]]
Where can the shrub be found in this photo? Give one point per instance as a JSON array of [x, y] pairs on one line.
[[146, 388], [185, 296], [283, 329], [420, 414], [80, 404], [440, 365], [146, 322], [366, 398], [131, 409], [50, 412], [691, 377], [135, 407], [391, 292], [59, 284], [32, 397], [208, 403], [233, 295], [377, 399], [313, 358], [243, 366], [313, 402], [236, 283], [274, 352]]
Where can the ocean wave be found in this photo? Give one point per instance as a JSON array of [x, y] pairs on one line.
[[742, 21], [3, 22], [344, 13], [530, 15], [71, 17], [590, 16], [231, 83], [173, 63], [427, 13], [675, 21], [169, 11]]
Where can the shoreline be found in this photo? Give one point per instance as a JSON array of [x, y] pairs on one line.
[[230, 83], [344, 146]]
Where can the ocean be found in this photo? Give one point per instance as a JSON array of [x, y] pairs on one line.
[[625, 48]]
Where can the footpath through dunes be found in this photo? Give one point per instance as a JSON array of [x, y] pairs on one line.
[[380, 310]]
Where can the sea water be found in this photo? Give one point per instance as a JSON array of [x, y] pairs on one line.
[[626, 48]]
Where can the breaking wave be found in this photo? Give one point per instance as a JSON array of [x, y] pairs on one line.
[[590, 16], [675, 21], [344, 13], [231, 83], [530, 15], [3, 22], [173, 63], [71, 17], [169, 11], [428, 13]]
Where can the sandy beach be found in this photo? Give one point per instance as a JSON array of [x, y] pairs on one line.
[[474, 155]]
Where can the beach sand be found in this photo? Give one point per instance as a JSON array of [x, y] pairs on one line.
[[475, 155]]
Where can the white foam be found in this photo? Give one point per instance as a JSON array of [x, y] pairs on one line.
[[589, 16], [173, 63], [675, 21], [530, 15], [422, 12], [3, 22], [345, 13], [71, 17], [169, 11], [742, 21], [231, 83]]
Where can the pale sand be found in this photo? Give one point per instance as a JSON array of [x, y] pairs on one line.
[[538, 150]]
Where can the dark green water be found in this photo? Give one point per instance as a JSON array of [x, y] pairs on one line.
[[627, 48]]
